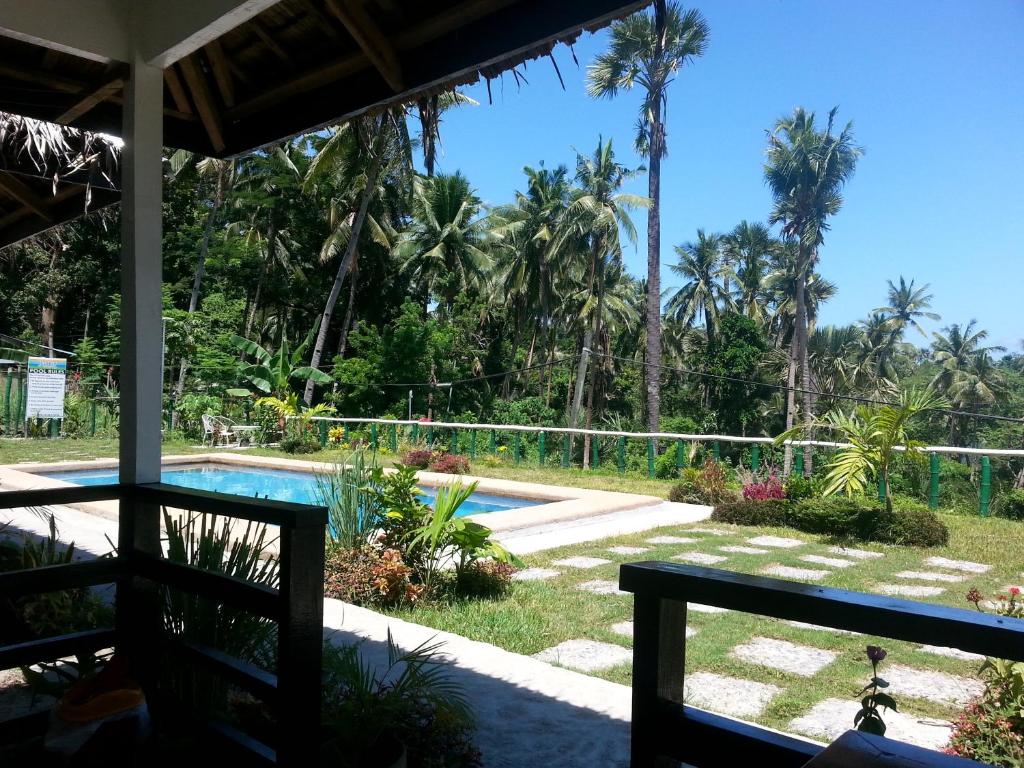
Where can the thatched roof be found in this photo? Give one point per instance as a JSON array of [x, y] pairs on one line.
[[301, 64], [51, 173]]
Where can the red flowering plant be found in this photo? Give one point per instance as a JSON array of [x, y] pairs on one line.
[[763, 490], [869, 718]]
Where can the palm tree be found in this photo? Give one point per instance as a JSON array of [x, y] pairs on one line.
[[747, 250], [701, 264], [445, 249], [648, 51], [806, 170], [906, 306], [966, 373]]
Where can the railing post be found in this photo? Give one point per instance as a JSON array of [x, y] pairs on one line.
[[92, 415], [659, 660], [323, 433], [373, 435], [798, 465], [986, 486], [453, 444], [515, 446], [430, 438], [493, 446], [345, 431], [755, 458], [7, 402], [415, 433], [933, 485], [393, 437], [652, 449], [680, 454], [472, 444], [300, 644], [716, 451], [881, 487], [540, 448], [595, 452], [622, 455], [565, 451]]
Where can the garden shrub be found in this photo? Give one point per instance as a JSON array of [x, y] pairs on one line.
[[798, 487], [449, 464], [771, 512], [419, 458], [484, 578], [300, 443], [771, 488], [1011, 505], [369, 577], [706, 485], [665, 464]]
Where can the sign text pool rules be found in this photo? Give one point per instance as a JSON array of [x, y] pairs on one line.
[[46, 378]]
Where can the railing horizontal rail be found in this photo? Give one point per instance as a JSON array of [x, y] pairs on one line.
[[281, 513], [688, 437], [256, 681], [217, 587], [51, 648], [43, 497], [877, 615], [52, 578]]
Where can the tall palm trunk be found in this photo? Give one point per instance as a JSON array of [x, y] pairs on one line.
[[346, 323], [801, 347], [200, 273], [653, 352], [346, 261], [787, 462], [250, 315], [589, 419], [588, 340]]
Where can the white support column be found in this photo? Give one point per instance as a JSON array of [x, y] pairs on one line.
[[141, 264]]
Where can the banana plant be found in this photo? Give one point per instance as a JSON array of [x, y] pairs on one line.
[[274, 372]]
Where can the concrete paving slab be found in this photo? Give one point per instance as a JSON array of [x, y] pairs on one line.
[[958, 565], [789, 572], [908, 590], [731, 696], [580, 562], [586, 655], [856, 554], [831, 562], [802, 660], [700, 558], [775, 541], [535, 574], [831, 718]]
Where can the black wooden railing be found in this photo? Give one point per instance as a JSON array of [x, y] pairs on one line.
[[138, 570], [664, 727]]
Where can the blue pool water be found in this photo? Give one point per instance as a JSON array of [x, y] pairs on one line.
[[277, 484]]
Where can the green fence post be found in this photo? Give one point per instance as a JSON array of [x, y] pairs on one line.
[[595, 452], [453, 444], [652, 450], [716, 451], [373, 435], [622, 455], [680, 454], [7, 403], [393, 437], [472, 444], [92, 415], [881, 488], [515, 447], [323, 433], [541, 447], [493, 443], [430, 438], [798, 465], [986, 486], [344, 431], [755, 457], [415, 433], [933, 486], [565, 450]]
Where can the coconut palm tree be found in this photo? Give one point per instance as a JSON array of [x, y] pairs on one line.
[[445, 249], [966, 373], [703, 294], [906, 306], [649, 51], [806, 171], [747, 251]]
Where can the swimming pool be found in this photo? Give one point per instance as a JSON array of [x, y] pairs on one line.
[[278, 484]]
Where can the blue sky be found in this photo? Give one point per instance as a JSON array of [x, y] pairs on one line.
[[936, 93]]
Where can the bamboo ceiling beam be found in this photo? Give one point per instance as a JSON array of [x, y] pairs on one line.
[[271, 43], [221, 72], [90, 100], [208, 114], [177, 90], [370, 39], [24, 195]]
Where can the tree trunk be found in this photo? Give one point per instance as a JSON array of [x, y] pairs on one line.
[[653, 352], [589, 419], [250, 316], [346, 323], [346, 260], [801, 346], [787, 462]]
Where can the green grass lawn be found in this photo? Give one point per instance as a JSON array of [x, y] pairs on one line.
[[540, 614]]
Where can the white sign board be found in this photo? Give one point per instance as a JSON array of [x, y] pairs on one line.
[[46, 377]]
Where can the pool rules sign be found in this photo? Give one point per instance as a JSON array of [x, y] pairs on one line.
[[46, 379]]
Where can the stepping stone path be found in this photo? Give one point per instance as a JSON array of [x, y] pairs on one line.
[[788, 572], [856, 554], [709, 531], [586, 655], [789, 657], [958, 565], [833, 562], [701, 608], [740, 550], [908, 590], [728, 695], [625, 628], [831, 718], [600, 587], [939, 687], [700, 558], [535, 574], [930, 576], [819, 628], [627, 550], [581, 562], [775, 541], [952, 653], [672, 540]]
